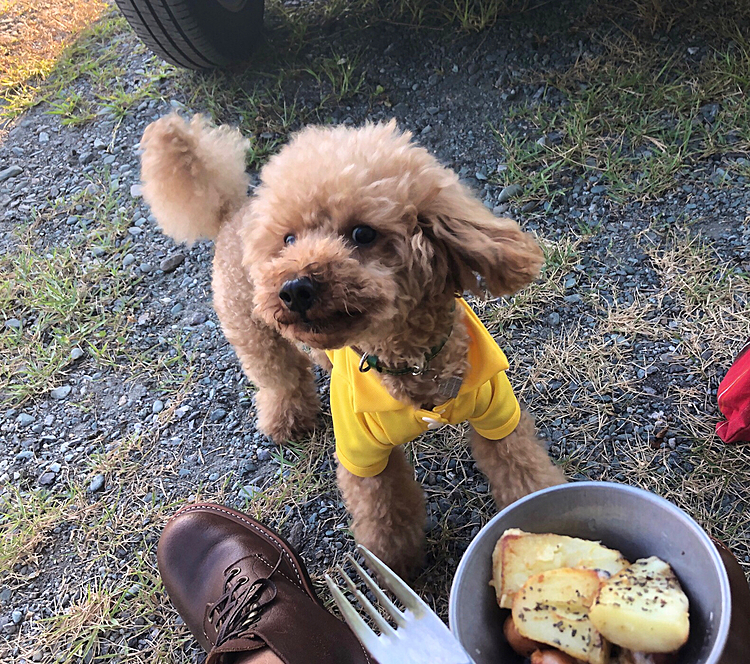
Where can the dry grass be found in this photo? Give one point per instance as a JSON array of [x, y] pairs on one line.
[[617, 416], [108, 596], [33, 35]]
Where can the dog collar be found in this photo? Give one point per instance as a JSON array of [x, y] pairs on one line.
[[368, 361]]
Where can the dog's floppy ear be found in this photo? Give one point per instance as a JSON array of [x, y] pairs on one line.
[[478, 243]]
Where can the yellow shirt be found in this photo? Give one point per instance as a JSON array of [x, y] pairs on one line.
[[368, 422]]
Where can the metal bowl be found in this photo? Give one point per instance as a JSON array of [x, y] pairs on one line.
[[634, 521]]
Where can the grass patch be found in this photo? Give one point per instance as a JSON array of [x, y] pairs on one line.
[[76, 294], [55, 299], [33, 34], [466, 16], [695, 274], [561, 259], [266, 110], [91, 58], [27, 519], [298, 478], [109, 601], [634, 117]]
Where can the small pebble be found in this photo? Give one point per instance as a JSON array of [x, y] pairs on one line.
[[45, 479], [198, 318], [171, 263], [249, 491], [10, 172], [24, 419], [97, 484], [511, 191], [217, 415], [60, 393]]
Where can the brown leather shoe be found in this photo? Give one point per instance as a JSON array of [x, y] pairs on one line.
[[242, 590]]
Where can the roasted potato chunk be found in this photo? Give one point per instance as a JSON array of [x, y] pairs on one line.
[[552, 608], [519, 555], [643, 608]]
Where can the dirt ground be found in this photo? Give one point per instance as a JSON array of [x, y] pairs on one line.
[[619, 133]]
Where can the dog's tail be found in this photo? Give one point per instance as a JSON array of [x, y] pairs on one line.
[[193, 175]]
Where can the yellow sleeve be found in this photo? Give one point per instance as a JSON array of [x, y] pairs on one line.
[[361, 445], [497, 411]]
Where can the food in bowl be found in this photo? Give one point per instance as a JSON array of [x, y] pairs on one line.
[[519, 555], [575, 598]]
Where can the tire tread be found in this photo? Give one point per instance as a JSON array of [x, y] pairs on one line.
[[184, 46]]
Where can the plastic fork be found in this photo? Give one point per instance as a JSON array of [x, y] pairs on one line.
[[420, 637]]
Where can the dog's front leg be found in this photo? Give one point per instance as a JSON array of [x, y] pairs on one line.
[[515, 465], [388, 513]]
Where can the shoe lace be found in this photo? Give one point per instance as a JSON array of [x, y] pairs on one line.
[[241, 603]]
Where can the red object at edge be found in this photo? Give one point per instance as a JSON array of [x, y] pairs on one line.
[[733, 397]]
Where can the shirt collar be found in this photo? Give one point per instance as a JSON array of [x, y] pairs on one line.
[[485, 360]]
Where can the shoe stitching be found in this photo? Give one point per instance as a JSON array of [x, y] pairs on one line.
[[265, 536], [278, 571]]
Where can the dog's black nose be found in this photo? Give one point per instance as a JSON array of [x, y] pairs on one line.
[[298, 294]]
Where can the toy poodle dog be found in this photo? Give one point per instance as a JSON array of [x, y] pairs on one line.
[[357, 244]]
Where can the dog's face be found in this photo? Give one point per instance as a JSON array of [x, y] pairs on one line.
[[352, 229]]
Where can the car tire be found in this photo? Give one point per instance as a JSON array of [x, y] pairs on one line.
[[197, 34]]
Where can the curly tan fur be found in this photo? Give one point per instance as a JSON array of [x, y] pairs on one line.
[[193, 175], [516, 465], [393, 297], [388, 512]]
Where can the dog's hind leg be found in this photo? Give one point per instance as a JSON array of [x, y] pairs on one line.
[[388, 513], [515, 465]]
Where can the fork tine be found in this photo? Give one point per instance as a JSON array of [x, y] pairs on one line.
[[366, 636], [385, 602], [383, 626], [395, 584]]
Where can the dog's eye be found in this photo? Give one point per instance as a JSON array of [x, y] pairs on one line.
[[363, 235], [289, 238]]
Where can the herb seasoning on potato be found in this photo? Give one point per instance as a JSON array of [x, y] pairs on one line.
[[576, 601]]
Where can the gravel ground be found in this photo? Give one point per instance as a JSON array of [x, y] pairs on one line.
[[122, 400]]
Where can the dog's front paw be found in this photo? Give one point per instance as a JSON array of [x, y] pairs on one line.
[[285, 417]]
